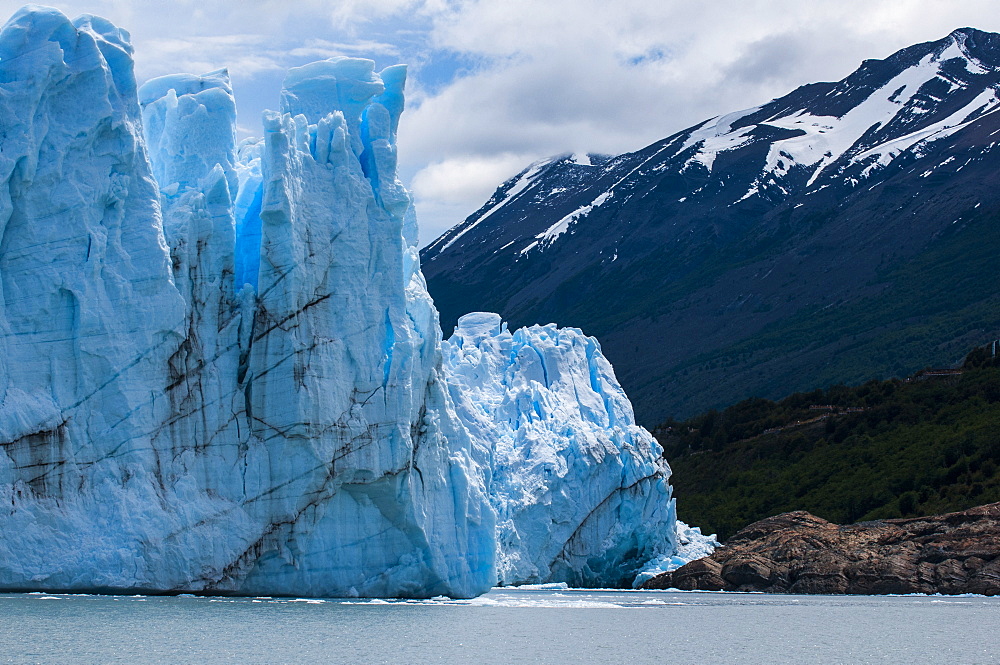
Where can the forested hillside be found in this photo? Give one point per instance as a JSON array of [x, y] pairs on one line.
[[925, 445]]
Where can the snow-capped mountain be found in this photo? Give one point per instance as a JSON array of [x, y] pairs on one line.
[[834, 234]]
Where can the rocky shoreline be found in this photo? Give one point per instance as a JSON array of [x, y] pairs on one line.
[[798, 552]]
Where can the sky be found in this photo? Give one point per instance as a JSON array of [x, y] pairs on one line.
[[494, 85]]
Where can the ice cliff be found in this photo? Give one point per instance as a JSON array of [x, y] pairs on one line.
[[222, 371], [580, 490]]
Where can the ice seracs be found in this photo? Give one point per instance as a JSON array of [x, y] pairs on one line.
[[230, 378], [581, 492], [342, 382], [168, 427], [89, 314]]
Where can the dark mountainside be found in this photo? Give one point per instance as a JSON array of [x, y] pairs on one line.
[[885, 449], [844, 232], [800, 553]]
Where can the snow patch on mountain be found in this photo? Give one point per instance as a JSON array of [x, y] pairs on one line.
[[715, 136], [986, 102], [549, 235], [520, 183], [825, 140]]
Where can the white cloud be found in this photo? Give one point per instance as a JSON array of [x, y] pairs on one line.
[[534, 78], [245, 55], [321, 48], [612, 77], [347, 13], [454, 180]]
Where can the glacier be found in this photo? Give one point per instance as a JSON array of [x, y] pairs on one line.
[[571, 469], [222, 372]]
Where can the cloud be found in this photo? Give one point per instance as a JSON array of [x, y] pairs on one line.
[[321, 48], [494, 81], [346, 14], [245, 55], [612, 77], [453, 180]]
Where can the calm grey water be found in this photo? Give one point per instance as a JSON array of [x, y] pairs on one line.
[[505, 626]]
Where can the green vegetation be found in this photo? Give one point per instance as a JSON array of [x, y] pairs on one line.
[[925, 445]]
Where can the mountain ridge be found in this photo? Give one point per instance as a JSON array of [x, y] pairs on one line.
[[711, 240]]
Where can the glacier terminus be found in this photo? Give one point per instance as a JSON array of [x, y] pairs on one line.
[[222, 373]]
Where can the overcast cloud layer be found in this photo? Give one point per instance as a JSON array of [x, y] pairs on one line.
[[495, 85]]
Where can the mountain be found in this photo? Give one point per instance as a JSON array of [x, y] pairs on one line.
[[843, 232], [221, 372]]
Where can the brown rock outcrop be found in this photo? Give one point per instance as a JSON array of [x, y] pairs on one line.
[[800, 553]]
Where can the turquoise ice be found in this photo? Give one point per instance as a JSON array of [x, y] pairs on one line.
[[221, 370]]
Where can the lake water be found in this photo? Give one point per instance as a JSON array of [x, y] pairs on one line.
[[504, 626]]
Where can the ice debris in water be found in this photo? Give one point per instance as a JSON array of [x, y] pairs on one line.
[[222, 370], [691, 545]]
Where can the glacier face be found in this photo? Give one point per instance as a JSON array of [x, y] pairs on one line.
[[222, 370], [580, 490], [90, 314]]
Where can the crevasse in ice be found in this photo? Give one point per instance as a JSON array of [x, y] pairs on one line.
[[221, 370]]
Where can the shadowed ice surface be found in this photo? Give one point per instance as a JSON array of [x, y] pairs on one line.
[[504, 626]]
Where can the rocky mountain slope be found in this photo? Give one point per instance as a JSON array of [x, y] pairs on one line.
[[801, 553], [846, 231]]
